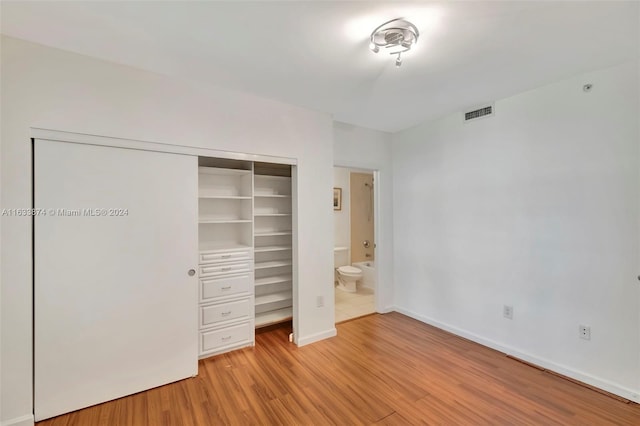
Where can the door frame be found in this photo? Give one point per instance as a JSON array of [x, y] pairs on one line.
[[379, 240]]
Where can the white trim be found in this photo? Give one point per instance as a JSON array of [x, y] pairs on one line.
[[633, 395], [387, 309], [317, 337], [295, 290], [26, 420], [62, 136], [379, 242]]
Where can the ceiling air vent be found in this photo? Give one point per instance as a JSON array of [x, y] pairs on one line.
[[485, 111]]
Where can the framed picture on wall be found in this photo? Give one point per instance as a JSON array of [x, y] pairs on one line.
[[337, 198]]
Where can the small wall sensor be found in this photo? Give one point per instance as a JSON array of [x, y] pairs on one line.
[[587, 87]]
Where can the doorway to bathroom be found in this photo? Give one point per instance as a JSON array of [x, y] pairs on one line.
[[354, 236]]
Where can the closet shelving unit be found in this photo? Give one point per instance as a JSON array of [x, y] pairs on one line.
[[272, 244], [225, 234]]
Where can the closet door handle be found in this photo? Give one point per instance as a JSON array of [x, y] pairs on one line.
[[191, 272]]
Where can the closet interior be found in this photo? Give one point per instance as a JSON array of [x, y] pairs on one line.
[[245, 251]]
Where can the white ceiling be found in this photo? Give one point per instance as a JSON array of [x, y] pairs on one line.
[[314, 54]]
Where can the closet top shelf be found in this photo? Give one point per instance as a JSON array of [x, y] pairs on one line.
[[272, 177], [220, 171]]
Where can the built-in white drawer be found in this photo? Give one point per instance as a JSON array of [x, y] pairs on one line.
[[211, 288], [220, 338], [225, 268], [210, 315], [230, 256]]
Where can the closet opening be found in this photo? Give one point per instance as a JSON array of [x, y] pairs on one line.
[[246, 265]]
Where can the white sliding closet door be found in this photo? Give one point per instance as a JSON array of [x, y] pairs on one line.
[[115, 308]]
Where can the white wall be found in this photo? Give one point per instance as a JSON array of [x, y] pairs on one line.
[[50, 88], [362, 148], [537, 207], [342, 218]]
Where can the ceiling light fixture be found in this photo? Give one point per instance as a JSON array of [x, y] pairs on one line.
[[397, 35]]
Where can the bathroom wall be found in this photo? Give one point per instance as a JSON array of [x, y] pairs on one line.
[[362, 216], [341, 218]]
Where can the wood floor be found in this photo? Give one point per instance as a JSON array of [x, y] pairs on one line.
[[381, 369]]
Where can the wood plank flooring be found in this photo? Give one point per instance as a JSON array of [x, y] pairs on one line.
[[381, 369]]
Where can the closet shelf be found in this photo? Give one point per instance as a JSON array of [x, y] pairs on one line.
[[271, 177], [221, 171], [266, 249], [272, 280], [272, 264], [214, 220], [224, 197], [271, 233], [273, 297], [271, 196], [272, 215], [225, 246], [273, 317]]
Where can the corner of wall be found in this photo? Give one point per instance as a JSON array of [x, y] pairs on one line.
[[316, 337]]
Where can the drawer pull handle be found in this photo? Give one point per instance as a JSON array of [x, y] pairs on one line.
[[224, 314], [226, 269], [226, 288], [226, 338], [225, 256]]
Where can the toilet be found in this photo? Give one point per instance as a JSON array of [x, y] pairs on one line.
[[347, 276]]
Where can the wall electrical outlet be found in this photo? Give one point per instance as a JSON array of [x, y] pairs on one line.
[[320, 301], [585, 332], [507, 312]]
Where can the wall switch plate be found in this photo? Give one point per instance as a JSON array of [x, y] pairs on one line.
[[320, 301], [585, 332], [507, 311]]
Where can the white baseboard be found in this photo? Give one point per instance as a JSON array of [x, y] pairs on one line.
[[317, 337], [624, 392], [26, 420], [387, 309]]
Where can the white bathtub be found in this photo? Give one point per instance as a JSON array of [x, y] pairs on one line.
[[368, 273]]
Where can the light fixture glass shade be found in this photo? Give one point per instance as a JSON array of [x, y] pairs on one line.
[[396, 36]]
